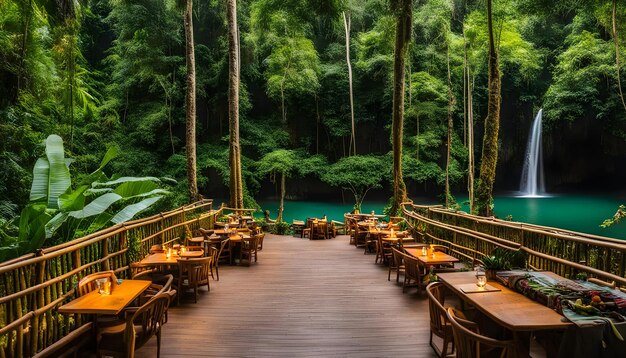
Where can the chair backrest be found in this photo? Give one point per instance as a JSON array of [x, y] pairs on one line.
[[156, 248], [206, 233], [259, 240], [250, 243], [88, 283], [223, 244], [150, 317], [468, 343], [438, 316], [398, 257], [197, 269], [411, 268], [601, 282]]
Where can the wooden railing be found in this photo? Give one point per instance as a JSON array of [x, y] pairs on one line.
[[33, 286], [562, 251]]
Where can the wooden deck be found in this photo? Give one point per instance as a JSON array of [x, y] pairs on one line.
[[302, 299]]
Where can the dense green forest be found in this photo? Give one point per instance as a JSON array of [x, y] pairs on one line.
[[315, 93]]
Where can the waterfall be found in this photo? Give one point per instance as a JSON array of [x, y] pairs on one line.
[[532, 184]]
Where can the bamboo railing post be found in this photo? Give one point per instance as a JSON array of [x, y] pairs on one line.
[[105, 253], [40, 278]]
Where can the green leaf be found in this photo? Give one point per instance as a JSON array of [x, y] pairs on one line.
[[32, 222], [59, 176], [133, 188], [74, 200], [39, 188], [130, 211], [98, 206], [124, 180]]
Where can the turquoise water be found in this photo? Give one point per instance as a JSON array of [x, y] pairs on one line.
[[574, 212]]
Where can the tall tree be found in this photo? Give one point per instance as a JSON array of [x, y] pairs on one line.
[[236, 184], [403, 10], [469, 115], [616, 42], [489, 158], [190, 102], [346, 25]]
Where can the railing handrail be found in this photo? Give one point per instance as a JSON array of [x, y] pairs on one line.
[[56, 250], [588, 243], [34, 285], [563, 233]]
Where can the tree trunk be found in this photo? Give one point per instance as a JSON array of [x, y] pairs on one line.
[[283, 189], [236, 183], [616, 41], [450, 104], [317, 125], [404, 14], [190, 103], [346, 25], [489, 158], [469, 114]]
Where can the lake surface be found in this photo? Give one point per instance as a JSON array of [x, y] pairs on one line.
[[582, 213]]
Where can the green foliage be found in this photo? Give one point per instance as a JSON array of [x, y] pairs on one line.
[[503, 259], [59, 212], [358, 174], [281, 228], [579, 79], [619, 215], [292, 68]]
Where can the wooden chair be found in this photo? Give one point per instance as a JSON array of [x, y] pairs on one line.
[[413, 273], [259, 240], [297, 226], [249, 249], [396, 264], [225, 252], [469, 343], [193, 273], [224, 246], [213, 252], [439, 323], [320, 230], [599, 282], [156, 248], [139, 327]]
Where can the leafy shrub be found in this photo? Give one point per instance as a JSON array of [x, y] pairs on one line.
[[281, 228]]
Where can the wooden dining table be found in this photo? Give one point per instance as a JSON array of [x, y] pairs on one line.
[[160, 258], [439, 258], [95, 303], [506, 307]]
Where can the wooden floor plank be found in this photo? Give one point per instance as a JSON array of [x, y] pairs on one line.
[[302, 299]]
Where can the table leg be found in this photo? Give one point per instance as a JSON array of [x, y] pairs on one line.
[[522, 343]]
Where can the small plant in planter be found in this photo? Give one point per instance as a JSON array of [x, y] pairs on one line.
[[501, 260]]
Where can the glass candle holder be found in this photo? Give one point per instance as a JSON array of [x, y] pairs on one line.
[[424, 251], [106, 287], [481, 279], [168, 253], [100, 285]]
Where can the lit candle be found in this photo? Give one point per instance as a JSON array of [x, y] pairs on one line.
[[168, 254], [392, 234], [424, 251]]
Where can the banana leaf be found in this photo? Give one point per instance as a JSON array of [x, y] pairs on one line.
[[59, 175], [123, 180], [74, 200], [131, 210], [96, 207], [133, 188]]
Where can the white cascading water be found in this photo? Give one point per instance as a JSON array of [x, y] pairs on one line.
[[532, 184]]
